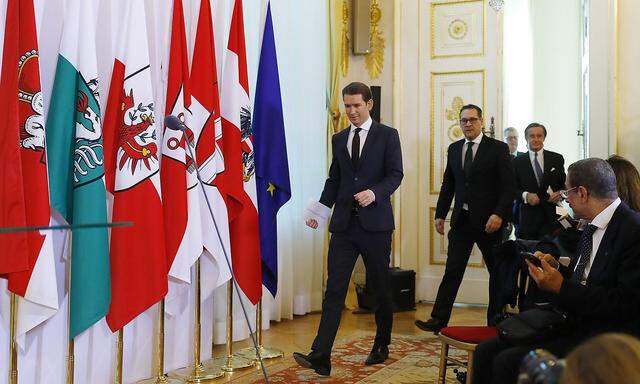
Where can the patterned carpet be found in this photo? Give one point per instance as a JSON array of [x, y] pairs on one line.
[[412, 360]]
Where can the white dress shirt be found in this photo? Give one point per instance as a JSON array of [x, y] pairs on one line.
[[363, 134], [601, 221], [532, 157], [474, 150]]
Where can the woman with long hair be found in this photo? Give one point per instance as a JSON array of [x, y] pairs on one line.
[[628, 181]]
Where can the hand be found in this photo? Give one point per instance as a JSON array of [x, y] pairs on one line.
[[548, 258], [440, 226], [365, 198], [312, 223], [493, 224], [548, 278], [554, 197], [532, 198]]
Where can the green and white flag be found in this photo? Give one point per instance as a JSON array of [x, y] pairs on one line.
[[76, 165]]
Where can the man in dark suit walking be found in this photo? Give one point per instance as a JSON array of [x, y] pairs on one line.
[[365, 170], [539, 178], [479, 174], [599, 291]]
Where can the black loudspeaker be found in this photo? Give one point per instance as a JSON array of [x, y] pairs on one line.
[[375, 111], [403, 295]]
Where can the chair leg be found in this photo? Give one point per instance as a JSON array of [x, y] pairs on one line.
[[442, 373], [469, 367]]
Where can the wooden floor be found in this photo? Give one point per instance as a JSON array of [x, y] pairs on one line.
[[297, 335]]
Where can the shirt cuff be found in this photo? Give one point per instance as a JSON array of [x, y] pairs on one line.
[[524, 197]]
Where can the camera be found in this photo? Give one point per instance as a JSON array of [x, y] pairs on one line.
[[540, 367]]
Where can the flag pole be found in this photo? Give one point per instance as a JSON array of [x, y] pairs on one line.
[[160, 377], [118, 379], [70, 343], [230, 363], [265, 352], [13, 360], [233, 362], [198, 373]]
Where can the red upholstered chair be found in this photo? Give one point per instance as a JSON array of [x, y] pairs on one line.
[[465, 338]]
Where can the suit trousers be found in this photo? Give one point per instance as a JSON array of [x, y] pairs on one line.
[[461, 240], [344, 248], [497, 362]]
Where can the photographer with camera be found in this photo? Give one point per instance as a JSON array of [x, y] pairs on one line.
[[600, 290]]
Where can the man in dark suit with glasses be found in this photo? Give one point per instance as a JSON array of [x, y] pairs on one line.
[[479, 174]]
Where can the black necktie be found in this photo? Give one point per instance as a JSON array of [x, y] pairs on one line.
[[586, 246], [355, 147], [468, 159]]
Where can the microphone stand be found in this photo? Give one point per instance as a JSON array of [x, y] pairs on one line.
[[181, 127]]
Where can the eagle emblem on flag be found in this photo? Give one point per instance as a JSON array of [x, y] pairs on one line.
[[31, 118]]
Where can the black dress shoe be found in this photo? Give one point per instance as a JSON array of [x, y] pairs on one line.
[[431, 325], [319, 363], [377, 355]]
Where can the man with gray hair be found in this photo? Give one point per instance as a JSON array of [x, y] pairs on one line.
[[599, 291], [510, 137]]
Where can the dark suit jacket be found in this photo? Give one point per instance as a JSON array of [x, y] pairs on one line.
[[379, 169], [489, 190], [531, 216], [610, 300]]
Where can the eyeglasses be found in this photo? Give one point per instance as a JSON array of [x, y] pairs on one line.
[[471, 120], [565, 194]]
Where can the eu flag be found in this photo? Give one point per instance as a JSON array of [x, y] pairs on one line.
[[270, 150]]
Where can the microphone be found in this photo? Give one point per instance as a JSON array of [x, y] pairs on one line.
[[174, 123]]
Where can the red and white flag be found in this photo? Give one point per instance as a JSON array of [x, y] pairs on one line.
[[239, 162], [205, 118], [181, 202], [138, 257], [27, 257]]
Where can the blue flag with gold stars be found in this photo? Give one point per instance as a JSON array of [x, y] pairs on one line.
[[270, 150]]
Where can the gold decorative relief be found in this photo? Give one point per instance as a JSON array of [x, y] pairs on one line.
[[344, 46], [374, 60], [454, 131], [457, 28]]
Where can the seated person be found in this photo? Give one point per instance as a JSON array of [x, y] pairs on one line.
[[599, 291], [628, 181], [608, 358]]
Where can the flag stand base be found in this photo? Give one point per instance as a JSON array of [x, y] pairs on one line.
[[196, 374], [160, 380], [230, 363], [265, 352]]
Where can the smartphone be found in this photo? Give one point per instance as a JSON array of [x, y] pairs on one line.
[[532, 258]]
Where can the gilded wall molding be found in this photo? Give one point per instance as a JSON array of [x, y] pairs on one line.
[[374, 60]]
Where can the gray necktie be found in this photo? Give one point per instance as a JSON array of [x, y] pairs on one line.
[[538, 169]]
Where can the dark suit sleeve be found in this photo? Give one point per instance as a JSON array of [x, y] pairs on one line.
[[330, 191], [504, 208], [392, 168], [518, 180], [562, 176], [447, 190], [607, 302]]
